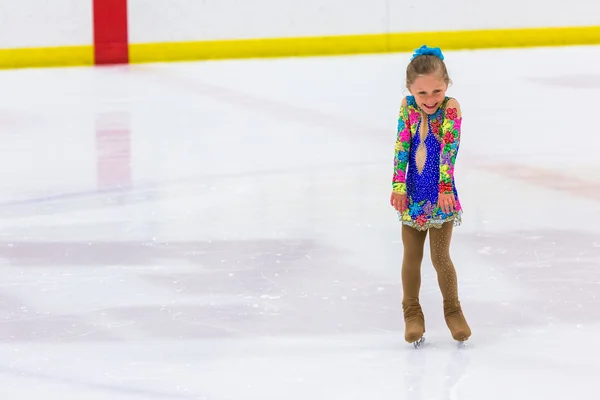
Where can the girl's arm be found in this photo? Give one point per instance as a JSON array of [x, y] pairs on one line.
[[401, 150], [450, 142]]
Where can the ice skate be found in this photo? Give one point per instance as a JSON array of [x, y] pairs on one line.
[[414, 323], [459, 328]]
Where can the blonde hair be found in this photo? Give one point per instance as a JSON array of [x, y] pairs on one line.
[[426, 65]]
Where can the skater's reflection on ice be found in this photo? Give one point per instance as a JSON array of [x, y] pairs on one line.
[[416, 375]]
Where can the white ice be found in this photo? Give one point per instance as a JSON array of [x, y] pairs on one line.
[[222, 231]]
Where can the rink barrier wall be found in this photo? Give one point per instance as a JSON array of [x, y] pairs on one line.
[[111, 45], [363, 44]]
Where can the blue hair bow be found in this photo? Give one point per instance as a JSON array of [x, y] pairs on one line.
[[428, 51]]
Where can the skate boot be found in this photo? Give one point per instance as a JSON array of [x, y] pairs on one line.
[[456, 321], [414, 322]]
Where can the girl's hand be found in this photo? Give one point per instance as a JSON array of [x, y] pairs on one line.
[[398, 201], [447, 202]]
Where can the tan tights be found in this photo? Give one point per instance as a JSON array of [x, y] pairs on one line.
[[439, 241]]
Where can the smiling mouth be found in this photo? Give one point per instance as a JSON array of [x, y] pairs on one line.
[[430, 106]]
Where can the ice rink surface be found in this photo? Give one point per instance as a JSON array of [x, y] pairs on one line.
[[222, 231]]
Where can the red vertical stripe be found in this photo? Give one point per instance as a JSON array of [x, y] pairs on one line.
[[110, 32], [113, 149]]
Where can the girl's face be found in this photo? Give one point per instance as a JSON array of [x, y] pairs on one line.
[[429, 92]]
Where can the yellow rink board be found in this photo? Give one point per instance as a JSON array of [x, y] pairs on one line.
[[362, 44], [307, 46]]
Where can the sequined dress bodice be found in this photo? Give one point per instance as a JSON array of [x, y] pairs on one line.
[[424, 163]]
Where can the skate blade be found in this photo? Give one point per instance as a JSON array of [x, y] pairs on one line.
[[419, 343], [461, 344]]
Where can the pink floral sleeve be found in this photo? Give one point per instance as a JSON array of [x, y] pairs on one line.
[[402, 150], [451, 130]]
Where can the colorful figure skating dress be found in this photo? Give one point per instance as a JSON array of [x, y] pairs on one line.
[[427, 145]]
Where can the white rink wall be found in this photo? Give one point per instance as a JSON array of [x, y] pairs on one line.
[[192, 20], [198, 20], [39, 23]]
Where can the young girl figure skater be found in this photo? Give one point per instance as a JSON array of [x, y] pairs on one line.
[[423, 189]]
